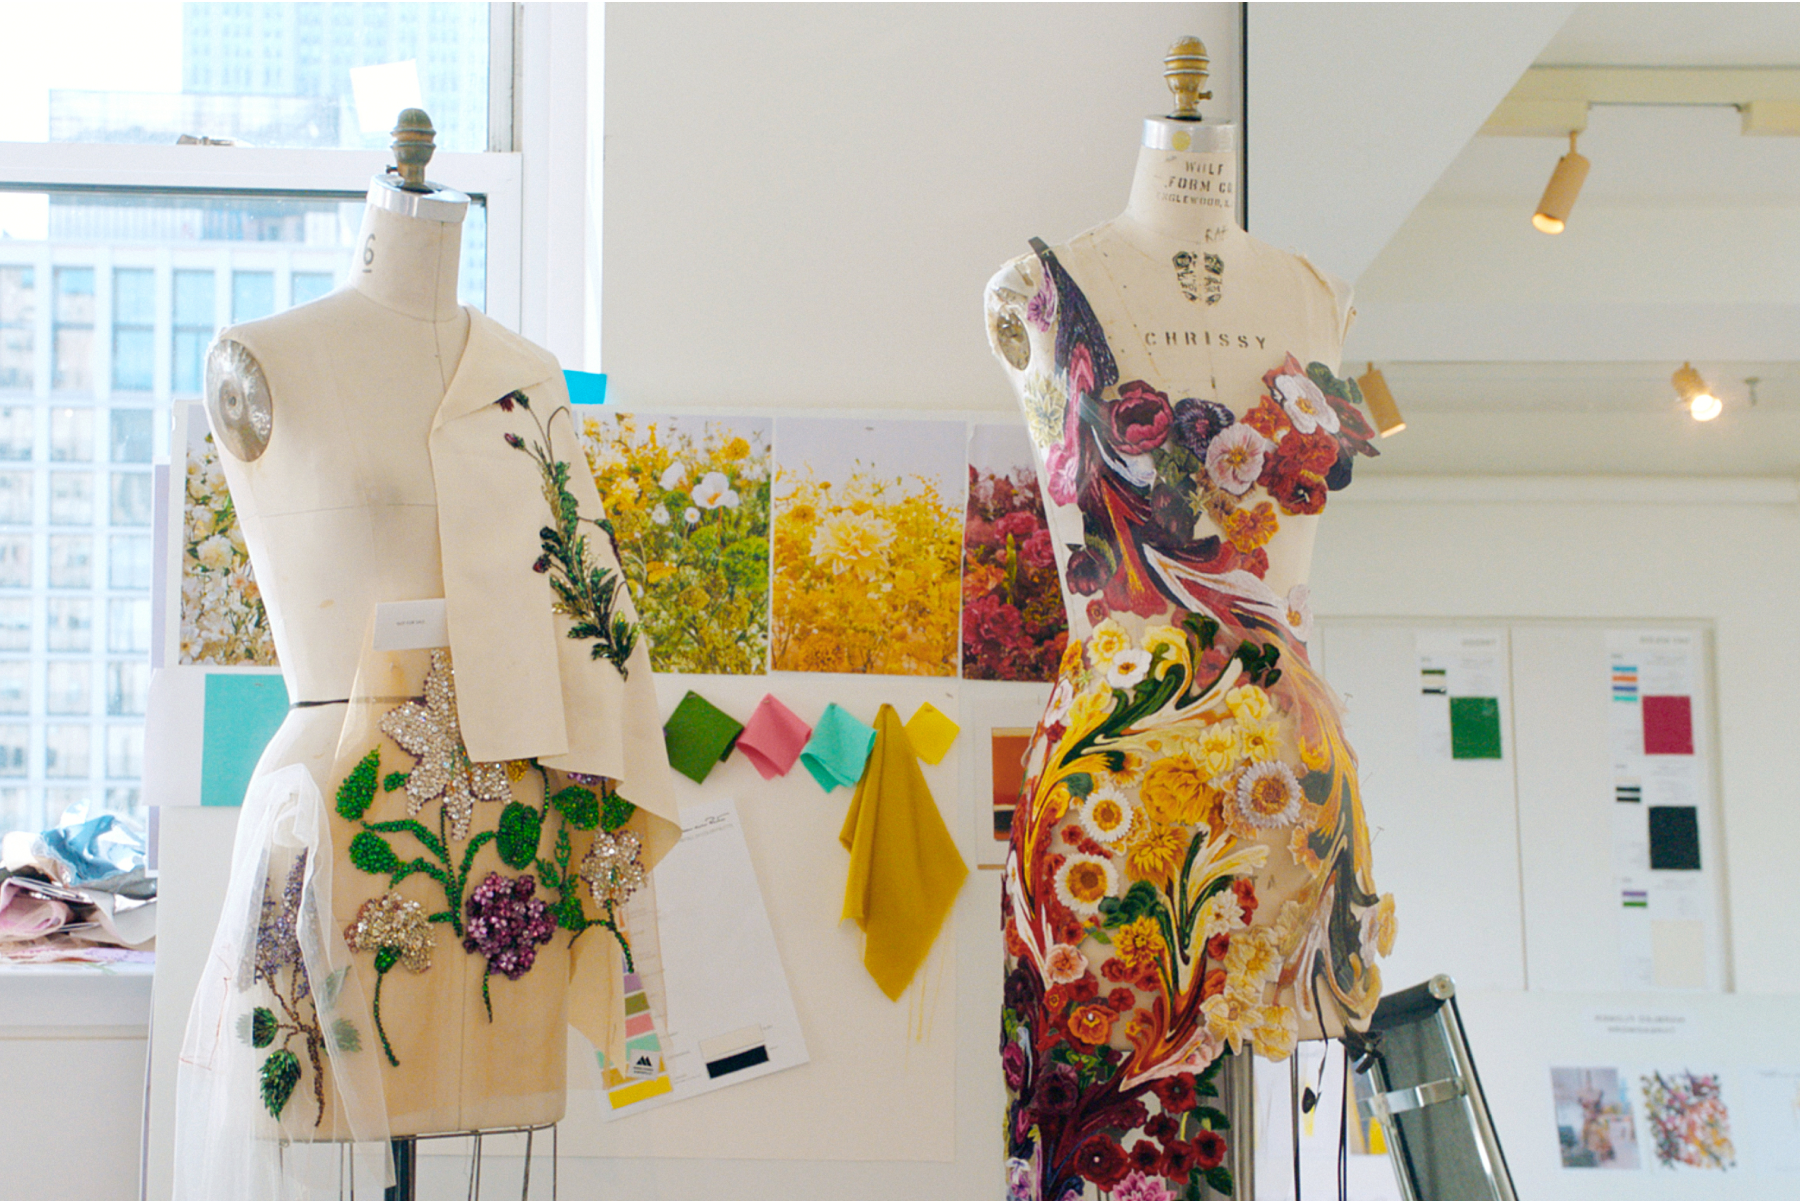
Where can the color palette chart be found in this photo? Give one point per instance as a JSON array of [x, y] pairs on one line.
[[1661, 798], [1462, 683]]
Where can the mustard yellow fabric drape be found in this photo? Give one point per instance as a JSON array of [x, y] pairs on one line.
[[905, 870]]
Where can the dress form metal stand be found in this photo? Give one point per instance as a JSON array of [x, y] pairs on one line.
[[406, 1163]]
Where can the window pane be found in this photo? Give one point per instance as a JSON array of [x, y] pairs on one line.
[[58, 801], [18, 317], [124, 752], [15, 686], [131, 498], [127, 801], [310, 285], [15, 497], [15, 807], [15, 561], [127, 687], [134, 296], [131, 437], [15, 623], [66, 752], [128, 561], [73, 368], [71, 561], [17, 432], [190, 360], [71, 435], [69, 623], [15, 745], [252, 295], [67, 688], [74, 296], [194, 298], [134, 359], [71, 498], [127, 625], [268, 74]]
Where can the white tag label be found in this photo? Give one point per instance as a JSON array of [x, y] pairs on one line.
[[644, 1065], [411, 625]]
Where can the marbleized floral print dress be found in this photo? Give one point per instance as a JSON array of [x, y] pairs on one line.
[[1189, 867]]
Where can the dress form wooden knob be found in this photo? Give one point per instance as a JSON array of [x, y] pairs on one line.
[[414, 144]]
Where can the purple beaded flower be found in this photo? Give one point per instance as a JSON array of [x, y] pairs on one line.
[[505, 924]]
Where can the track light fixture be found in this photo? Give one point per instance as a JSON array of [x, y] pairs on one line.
[[1702, 404], [1380, 401], [1560, 193]]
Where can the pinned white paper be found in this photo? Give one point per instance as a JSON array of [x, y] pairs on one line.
[[411, 625]]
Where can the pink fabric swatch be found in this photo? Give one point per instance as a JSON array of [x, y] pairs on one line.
[[1668, 725], [773, 738]]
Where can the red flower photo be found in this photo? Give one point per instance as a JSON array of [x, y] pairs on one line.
[[1013, 624]]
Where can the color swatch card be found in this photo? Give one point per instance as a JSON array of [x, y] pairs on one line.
[[731, 1016], [1462, 686]]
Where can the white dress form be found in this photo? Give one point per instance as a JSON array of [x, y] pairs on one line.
[[339, 509]]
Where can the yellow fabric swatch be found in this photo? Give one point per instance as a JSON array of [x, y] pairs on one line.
[[905, 870], [931, 733]]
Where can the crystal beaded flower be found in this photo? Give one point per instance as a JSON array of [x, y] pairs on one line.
[[429, 732], [391, 922], [506, 922], [278, 934], [612, 868]]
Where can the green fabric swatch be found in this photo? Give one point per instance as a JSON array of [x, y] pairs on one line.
[[698, 736], [242, 713], [1474, 727]]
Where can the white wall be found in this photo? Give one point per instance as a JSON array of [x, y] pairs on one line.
[[804, 202], [1619, 549]]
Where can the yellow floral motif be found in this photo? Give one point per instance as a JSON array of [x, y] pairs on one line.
[[1249, 703], [1259, 741], [867, 575], [1384, 925], [1071, 659], [1154, 852], [1174, 791], [1228, 1016], [1250, 962], [1275, 1035], [1219, 749], [1108, 640], [1173, 645], [1138, 943], [1221, 914], [1083, 883]]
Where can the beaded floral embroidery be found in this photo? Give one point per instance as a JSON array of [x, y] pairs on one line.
[[585, 593], [398, 931], [430, 733]]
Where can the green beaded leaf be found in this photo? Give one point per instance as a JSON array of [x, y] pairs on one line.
[[262, 1027], [618, 811], [344, 1035], [371, 853], [386, 958], [517, 836], [357, 792], [579, 806], [280, 1073], [393, 780]]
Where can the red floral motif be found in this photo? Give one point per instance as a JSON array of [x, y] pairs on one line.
[[1245, 891], [1209, 1149], [1014, 626], [1138, 421], [1102, 1161]]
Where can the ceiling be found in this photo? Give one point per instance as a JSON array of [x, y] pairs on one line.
[[1685, 244]]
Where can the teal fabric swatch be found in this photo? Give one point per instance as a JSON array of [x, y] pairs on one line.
[[586, 387], [242, 714], [699, 735], [839, 749]]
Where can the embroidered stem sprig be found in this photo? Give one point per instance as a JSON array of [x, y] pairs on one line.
[[398, 931], [612, 867], [585, 592]]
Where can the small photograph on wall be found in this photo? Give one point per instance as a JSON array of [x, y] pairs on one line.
[[222, 619], [1686, 1120], [1010, 745], [868, 546], [1769, 1117], [1013, 623], [1594, 1126], [689, 500]]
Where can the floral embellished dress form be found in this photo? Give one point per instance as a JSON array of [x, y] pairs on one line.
[[1189, 867], [476, 821]]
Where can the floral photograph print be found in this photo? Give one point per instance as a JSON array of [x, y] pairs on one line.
[[868, 543], [1687, 1121], [688, 498], [222, 619], [1013, 624], [1594, 1127]]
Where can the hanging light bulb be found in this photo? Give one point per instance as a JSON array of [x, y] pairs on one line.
[[1702, 404], [1560, 193], [1380, 400]]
